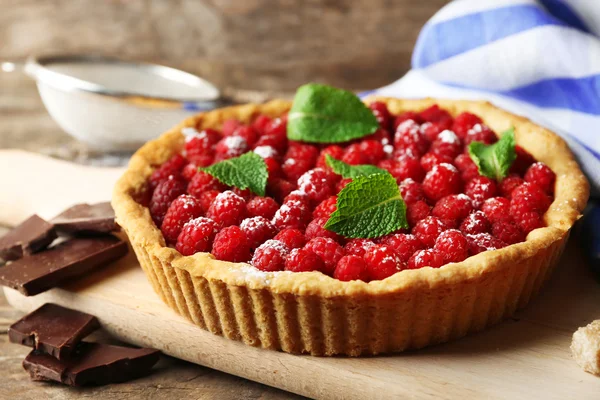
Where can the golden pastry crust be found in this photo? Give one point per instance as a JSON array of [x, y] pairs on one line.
[[312, 313]]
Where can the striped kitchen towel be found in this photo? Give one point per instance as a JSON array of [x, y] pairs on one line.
[[540, 59]]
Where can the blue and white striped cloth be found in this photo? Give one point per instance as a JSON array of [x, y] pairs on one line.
[[540, 59]]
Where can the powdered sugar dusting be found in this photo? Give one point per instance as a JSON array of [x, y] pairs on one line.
[[266, 151], [447, 136], [236, 143]]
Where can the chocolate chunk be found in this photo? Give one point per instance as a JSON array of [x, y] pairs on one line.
[[86, 218], [53, 329], [92, 364], [42, 271], [34, 234]]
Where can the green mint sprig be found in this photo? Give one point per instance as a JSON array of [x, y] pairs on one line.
[[323, 114], [369, 207], [494, 160], [247, 171], [351, 171]]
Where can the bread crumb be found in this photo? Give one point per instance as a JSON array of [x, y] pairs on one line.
[[585, 347]]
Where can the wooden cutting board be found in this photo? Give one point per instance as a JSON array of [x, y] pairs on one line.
[[523, 358]]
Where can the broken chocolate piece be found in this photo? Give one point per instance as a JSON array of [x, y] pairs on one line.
[[34, 234], [42, 271], [86, 218], [92, 364], [53, 329]]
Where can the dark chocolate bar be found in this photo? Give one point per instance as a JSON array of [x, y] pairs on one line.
[[86, 218], [92, 364], [42, 271], [53, 329], [32, 235]]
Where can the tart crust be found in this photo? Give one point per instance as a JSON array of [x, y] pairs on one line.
[[313, 313]]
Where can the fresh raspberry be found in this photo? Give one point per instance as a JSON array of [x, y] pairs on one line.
[[342, 184], [181, 210], [468, 169], [245, 194], [206, 199], [247, 133], [373, 149], [452, 245], [437, 115], [455, 207], [441, 181], [270, 256], [258, 230], [291, 237], [522, 162], [293, 168], [382, 262], [381, 135], [417, 211], [227, 209], [273, 167], [409, 134], [302, 151], [508, 232], [260, 123], [426, 258], [277, 127], [353, 155], [509, 184], [304, 260], [480, 189], [528, 197], [166, 191], [406, 116], [431, 130], [405, 167], [382, 114], [200, 145], [196, 236], [464, 122], [229, 126], [318, 184], [447, 144], [334, 151], [411, 191], [475, 223], [262, 207], [484, 242], [293, 214], [297, 196], [429, 160], [496, 209], [189, 171], [279, 188], [530, 221], [480, 133], [279, 143], [230, 147], [173, 166], [201, 182], [542, 176], [231, 244], [358, 247], [325, 208], [404, 244], [266, 152], [351, 268], [427, 230], [315, 229], [328, 250]]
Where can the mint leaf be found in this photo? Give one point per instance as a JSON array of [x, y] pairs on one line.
[[369, 207], [247, 171], [323, 114], [351, 171], [494, 160]]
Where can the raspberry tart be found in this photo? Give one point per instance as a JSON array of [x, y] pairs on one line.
[[250, 233]]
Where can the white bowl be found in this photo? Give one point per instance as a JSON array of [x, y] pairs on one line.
[[114, 105]]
